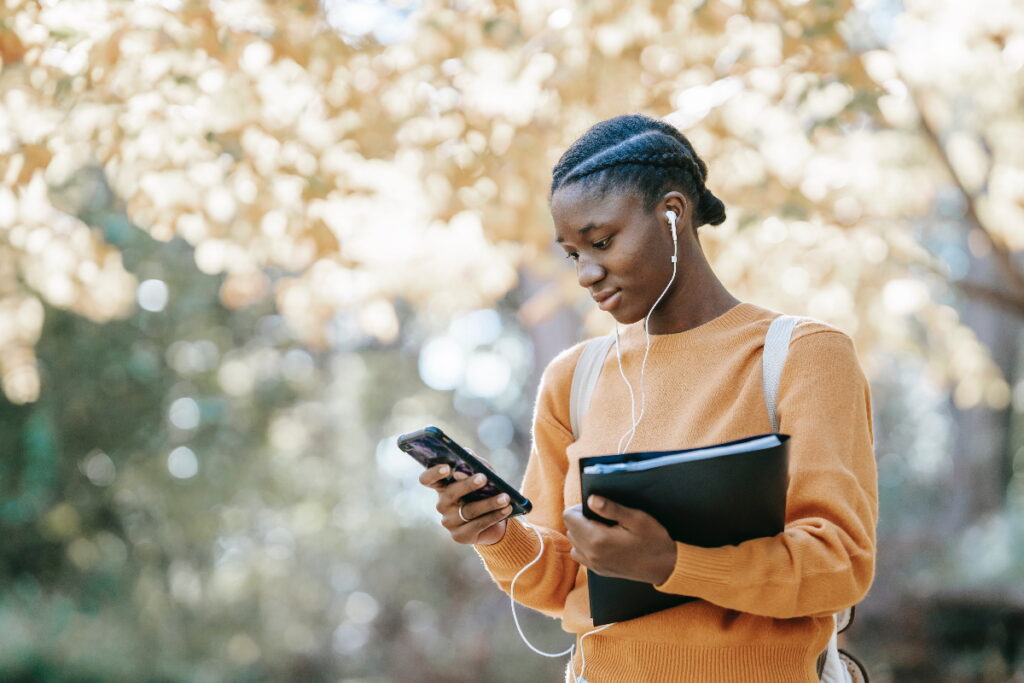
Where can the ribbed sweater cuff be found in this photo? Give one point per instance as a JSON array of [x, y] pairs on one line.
[[696, 567], [515, 549], [641, 661]]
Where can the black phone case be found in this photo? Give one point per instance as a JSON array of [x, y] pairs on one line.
[[430, 446]]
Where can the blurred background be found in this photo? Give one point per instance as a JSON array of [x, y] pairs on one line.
[[245, 244]]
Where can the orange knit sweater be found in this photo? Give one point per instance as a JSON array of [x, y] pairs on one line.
[[766, 604]]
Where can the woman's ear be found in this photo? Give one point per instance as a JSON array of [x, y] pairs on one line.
[[678, 204]]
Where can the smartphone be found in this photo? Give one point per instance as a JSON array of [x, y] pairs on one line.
[[430, 446]]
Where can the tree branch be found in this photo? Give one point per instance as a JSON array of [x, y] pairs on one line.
[[1002, 255], [997, 297], [1010, 302]]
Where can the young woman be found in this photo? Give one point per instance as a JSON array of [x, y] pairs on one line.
[[691, 358]]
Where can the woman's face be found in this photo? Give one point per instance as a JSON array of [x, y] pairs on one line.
[[622, 253]]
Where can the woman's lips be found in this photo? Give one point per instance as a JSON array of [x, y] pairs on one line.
[[610, 302]]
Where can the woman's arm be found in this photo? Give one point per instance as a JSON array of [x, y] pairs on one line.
[[545, 585], [824, 559]]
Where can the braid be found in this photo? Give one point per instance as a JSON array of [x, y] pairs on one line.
[[644, 154], [664, 159]]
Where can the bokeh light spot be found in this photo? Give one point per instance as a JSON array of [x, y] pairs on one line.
[[487, 375], [152, 295], [182, 463], [184, 413], [441, 364], [99, 468], [476, 328], [496, 431], [361, 608]]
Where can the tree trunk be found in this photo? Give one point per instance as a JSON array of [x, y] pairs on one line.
[[981, 435]]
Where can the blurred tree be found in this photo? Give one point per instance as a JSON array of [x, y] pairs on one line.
[[191, 498], [267, 139]]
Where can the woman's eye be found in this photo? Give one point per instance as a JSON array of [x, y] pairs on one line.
[[603, 243]]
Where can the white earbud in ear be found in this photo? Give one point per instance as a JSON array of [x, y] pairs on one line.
[[671, 216]]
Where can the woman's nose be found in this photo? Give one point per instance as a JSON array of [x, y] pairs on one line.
[[588, 272]]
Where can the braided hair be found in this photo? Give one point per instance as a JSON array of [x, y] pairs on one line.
[[643, 153]]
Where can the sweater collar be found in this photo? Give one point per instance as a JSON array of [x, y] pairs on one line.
[[632, 336]]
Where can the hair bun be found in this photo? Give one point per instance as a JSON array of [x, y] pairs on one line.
[[710, 209]]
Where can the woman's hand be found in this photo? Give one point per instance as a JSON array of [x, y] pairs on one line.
[[637, 548], [486, 517]]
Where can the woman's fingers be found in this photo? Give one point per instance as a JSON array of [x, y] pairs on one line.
[[477, 510], [454, 492], [478, 517], [435, 476], [469, 532]]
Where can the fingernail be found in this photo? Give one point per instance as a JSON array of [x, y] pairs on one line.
[[502, 499], [479, 479], [443, 470], [596, 502]]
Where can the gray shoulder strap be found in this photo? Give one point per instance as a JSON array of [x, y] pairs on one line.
[[584, 379], [776, 347]]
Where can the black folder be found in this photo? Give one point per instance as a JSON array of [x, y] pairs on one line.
[[709, 502]]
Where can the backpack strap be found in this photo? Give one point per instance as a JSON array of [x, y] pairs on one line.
[[836, 666], [776, 348], [584, 379]]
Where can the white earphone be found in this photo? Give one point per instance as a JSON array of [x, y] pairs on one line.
[[671, 216]]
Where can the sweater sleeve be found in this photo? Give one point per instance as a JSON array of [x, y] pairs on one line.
[[824, 559], [545, 586]]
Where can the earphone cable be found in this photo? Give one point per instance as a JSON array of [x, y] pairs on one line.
[[647, 335], [632, 401], [512, 595], [572, 648]]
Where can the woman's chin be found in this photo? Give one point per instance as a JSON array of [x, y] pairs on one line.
[[625, 317], [617, 306]]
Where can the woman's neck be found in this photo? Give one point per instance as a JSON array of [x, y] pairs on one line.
[[697, 297]]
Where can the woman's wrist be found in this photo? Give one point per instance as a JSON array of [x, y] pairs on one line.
[[503, 525], [664, 564]]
